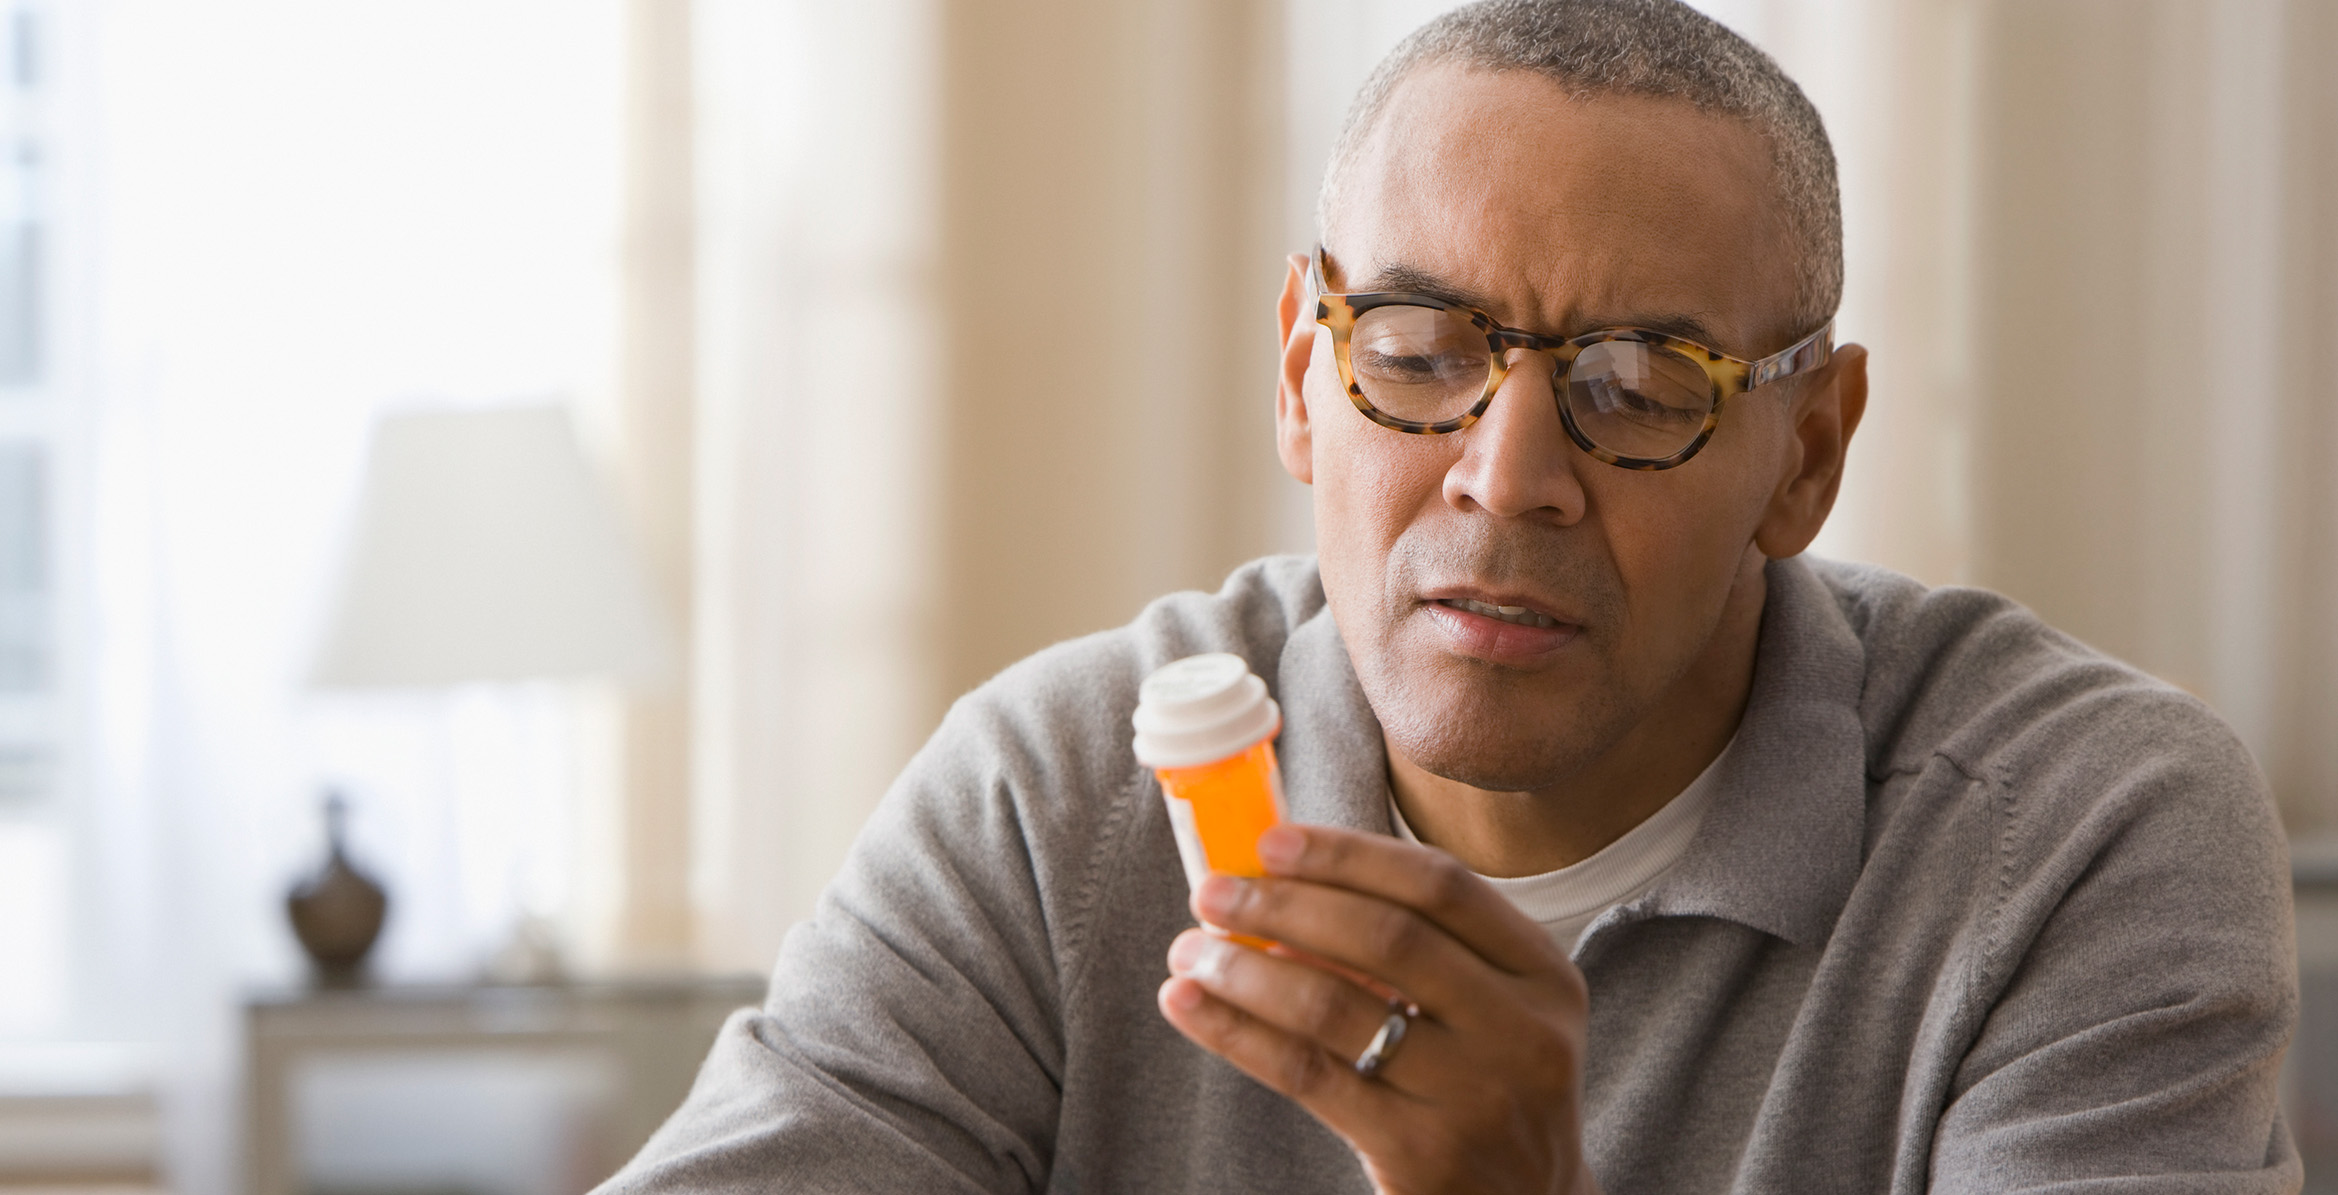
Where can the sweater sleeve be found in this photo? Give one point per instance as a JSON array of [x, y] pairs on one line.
[[915, 1034], [912, 1037], [2140, 969]]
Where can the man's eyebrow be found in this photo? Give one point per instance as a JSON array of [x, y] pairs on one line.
[[1680, 325], [1397, 276]]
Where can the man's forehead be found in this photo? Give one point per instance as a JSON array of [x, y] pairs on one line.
[[1503, 191]]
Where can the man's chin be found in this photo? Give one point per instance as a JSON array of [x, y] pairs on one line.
[[1488, 727], [1482, 741], [1493, 767]]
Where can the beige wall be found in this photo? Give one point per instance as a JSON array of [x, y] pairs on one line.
[[2301, 747], [2153, 212], [2091, 245], [2095, 400], [1896, 90], [1111, 250]]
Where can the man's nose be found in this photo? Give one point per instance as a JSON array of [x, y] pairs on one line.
[[1516, 460]]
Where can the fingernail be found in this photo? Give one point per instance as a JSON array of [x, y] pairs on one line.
[[1200, 956], [1184, 997], [1209, 962], [1219, 896], [1280, 847], [1184, 951]]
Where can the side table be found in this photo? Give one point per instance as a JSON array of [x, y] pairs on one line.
[[629, 1047]]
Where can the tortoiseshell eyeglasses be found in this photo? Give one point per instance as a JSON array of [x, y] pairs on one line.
[[1634, 398]]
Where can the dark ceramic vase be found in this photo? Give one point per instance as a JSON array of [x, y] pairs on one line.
[[337, 913]]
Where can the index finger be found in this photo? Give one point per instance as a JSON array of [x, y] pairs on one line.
[[1421, 878]]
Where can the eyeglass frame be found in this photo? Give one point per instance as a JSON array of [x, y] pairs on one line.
[[1731, 376]]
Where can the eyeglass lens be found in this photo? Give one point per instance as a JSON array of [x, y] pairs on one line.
[[1427, 365]]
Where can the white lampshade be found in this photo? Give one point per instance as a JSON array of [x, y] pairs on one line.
[[486, 551]]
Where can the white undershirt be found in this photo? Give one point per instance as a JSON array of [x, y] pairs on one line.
[[1568, 900]]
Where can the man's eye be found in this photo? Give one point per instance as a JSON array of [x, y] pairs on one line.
[[1409, 368], [1640, 405]]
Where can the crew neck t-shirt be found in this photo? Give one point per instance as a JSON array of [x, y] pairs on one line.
[[1565, 902]]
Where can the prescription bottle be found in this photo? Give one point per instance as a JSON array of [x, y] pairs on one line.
[[1206, 727]]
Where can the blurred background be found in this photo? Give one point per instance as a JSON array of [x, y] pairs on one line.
[[796, 366]]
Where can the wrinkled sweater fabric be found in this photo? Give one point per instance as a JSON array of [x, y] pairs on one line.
[[1973, 908]]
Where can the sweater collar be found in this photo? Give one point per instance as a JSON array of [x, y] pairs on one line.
[[1780, 847], [1335, 764]]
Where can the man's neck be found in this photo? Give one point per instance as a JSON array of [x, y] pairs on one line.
[[1529, 833]]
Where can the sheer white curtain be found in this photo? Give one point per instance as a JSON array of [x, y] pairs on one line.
[[820, 446], [987, 362], [305, 213]]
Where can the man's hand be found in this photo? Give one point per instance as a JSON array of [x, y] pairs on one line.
[[1483, 1094]]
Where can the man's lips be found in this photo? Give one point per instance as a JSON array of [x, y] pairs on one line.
[[1517, 631], [1521, 615], [1517, 606]]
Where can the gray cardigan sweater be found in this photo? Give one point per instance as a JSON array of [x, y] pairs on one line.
[[1974, 909]]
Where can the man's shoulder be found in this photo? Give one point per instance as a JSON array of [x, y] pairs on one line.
[[1252, 614], [1076, 697], [1975, 678]]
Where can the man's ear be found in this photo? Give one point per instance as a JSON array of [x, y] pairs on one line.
[[1294, 439], [1826, 413]]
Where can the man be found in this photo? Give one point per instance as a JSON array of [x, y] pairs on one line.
[[1699, 866]]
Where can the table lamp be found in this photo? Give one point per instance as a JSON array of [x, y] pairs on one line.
[[486, 551]]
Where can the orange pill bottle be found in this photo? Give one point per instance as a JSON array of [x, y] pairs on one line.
[[1206, 727]]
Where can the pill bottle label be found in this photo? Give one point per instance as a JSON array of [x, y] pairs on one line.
[[1228, 804]]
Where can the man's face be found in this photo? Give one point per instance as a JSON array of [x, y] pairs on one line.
[[1559, 216]]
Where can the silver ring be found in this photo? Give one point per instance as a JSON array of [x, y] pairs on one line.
[[1384, 1043]]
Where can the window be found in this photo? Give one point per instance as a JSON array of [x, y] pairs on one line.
[[35, 880]]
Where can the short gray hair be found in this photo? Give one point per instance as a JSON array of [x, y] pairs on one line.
[[1656, 48]]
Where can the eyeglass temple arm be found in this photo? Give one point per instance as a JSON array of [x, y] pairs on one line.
[[1804, 355]]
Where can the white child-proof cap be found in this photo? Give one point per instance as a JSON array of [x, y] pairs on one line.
[[1202, 709]]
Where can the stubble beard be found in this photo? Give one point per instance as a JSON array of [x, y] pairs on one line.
[[1486, 725]]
